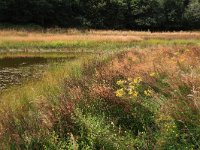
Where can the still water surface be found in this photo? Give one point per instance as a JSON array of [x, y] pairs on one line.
[[15, 71]]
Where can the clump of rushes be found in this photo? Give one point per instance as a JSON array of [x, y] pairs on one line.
[[133, 88]]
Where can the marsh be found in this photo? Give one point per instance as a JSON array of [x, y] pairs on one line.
[[17, 70]]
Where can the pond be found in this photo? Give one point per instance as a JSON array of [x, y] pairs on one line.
[[16, 70]]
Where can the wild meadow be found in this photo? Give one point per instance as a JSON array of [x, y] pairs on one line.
[[125, 90]]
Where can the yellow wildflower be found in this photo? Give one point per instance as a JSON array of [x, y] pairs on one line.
[[130, 92], [120, 93], [132, 87], [130, 79], [148, 92], [135, 94], [120, 82], [153, 74], [137, 80]]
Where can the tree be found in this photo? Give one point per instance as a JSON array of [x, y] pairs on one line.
[[146, 13], [173, 11], [103, 14], [113, 14], [192, 14]]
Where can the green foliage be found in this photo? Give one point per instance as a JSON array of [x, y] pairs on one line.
[[173, 11], [104, 14], [76, 45], [146, 14], [192, 14]]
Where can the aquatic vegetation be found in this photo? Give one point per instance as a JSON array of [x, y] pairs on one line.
[[15, 69]]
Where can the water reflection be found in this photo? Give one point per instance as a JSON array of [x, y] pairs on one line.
[[21, 61], [13, 71]]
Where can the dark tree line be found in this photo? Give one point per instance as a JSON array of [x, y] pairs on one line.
[[103, 14]]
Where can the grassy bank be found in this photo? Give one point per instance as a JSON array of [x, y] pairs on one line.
[[143, 98], [47, 55], [90, 41], [26, 111]]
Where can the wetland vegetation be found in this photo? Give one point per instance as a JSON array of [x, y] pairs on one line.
[[101, 90], [18, 68]]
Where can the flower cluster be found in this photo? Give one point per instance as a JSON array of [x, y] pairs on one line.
[[132, 88]]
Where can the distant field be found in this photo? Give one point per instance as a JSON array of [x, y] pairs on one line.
[[73, 40], [124, 90]]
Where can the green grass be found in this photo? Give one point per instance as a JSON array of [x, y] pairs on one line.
[[48, 55], [86, 46], [27, 102], [25, 110], [89, 46], [62, 110], [172, 42]]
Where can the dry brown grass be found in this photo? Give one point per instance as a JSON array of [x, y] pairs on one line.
[[34, 36], [151, 59], [178, 81], [93, 35], [179, 67], [151, 35]]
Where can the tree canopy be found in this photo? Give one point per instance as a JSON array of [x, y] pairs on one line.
[[103, 14]]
